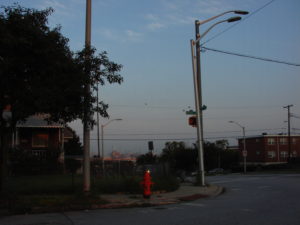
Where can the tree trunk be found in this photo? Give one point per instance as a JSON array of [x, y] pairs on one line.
[[3, 157]]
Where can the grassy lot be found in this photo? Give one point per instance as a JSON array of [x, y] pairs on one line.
[[62, 184], [55, 192]]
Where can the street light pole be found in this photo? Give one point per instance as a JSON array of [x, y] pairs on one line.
[[102, 142], [289, 130], [244, 145], [198, 85]]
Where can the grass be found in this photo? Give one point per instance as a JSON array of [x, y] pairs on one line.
[[47, 184], [55, 192]]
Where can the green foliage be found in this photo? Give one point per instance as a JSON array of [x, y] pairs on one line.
[[72, 165], [215, 155], [96, 69], [111, 185], [36, 67], [49, 203], [73, 146], [23, 162], [165, 183], [41, 185], [132, 184], [179, 157], [147, 158], [40, 74]]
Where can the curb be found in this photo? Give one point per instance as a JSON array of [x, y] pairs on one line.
[[148, 203]]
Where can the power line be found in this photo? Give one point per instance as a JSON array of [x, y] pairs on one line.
[[295, 116], [252, 57], [162, 139], [234, 24], [188, 133]]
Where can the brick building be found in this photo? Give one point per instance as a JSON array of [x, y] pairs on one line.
[[270, 149]]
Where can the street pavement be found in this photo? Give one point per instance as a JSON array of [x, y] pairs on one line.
[[248, 200]]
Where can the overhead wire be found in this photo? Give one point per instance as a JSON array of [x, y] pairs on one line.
[[252, 57], [234, 24], [244, 55]]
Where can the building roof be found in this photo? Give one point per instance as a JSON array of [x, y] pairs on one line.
[[38, 121], [269, 135]]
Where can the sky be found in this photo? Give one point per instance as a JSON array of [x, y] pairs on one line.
[[151, 39]]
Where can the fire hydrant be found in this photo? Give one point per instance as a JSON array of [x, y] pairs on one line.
[[147, 183]]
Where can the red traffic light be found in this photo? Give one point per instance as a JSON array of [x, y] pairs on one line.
[[193, 121]]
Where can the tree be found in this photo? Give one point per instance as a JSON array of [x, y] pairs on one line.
[[36, 67], [73, 147], [40, 74], [96, 69], [179, 156], [147, 158]]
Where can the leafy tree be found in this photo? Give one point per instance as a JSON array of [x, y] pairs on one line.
[[40, 74], [96, 69], [73, 146], [147, 158], [215, 155], [180, 157]]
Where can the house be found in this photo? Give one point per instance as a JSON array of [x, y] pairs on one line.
[[270, 149], [38, 137]]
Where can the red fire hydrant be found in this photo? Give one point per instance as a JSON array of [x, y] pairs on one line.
[[147, 183]]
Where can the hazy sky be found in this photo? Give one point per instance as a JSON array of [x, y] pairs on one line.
[[151, 40]]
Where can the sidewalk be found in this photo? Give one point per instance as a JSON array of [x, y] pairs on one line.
[[186, 192]]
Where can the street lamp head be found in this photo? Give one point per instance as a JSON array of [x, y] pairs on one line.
[[233, 19], [118, 119], [230, 121], [241, 12]]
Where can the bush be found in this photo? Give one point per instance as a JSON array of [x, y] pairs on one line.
[[110, 185], [132, 184], [166, 183]]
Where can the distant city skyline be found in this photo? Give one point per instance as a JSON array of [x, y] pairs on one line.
[[151, 40]]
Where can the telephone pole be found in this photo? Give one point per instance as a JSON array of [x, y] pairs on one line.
[[289, 130], [86, 126]]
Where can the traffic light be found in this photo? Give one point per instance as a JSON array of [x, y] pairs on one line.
[[193, 121], [150, 145]]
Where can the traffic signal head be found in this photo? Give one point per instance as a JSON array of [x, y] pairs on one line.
[[193, 121]]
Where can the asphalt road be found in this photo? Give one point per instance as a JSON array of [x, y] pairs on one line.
[[248, 200]]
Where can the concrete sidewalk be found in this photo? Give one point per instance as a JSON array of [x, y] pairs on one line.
[[186, 192]]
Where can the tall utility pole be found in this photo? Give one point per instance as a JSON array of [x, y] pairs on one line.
[[289, 130], [200, 112], [86, 126], [197, 81]]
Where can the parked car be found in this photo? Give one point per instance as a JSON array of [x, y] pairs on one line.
[[216, 171]]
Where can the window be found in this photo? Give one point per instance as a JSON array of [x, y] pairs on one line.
[[256, 140], [271, 154], [271, 141], [294, 154], [283, 154], [283, 141], [40, 139], [294, 140]]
